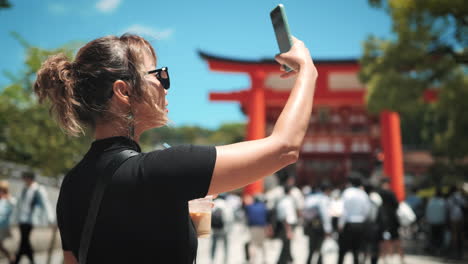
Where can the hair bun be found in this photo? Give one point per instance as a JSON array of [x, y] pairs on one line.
[[55, 81]]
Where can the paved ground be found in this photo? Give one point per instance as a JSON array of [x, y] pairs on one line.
[[299, 250], [41, 238], [41, 241]]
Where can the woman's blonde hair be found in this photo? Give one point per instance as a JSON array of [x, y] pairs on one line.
[[80, 90]]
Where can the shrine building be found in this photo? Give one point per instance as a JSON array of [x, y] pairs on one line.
[[342, 136]]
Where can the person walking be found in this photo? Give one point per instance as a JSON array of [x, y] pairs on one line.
[[296, 194], [374, 224], [7, 204], [456, 203], [336, 208], [113, 89], [256, 215], [390, 237], [436, 217], [317, 220], [417, 205], [286, 215], [351, 224], [221, 221], [33, 200]]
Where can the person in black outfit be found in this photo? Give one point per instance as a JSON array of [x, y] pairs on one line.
[[390, 238], [374, 224], [286, 210], [112, 88]]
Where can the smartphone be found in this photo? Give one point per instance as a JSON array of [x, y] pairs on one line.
[[281, 27]]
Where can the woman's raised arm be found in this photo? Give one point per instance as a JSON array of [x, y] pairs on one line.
[[242, 163]]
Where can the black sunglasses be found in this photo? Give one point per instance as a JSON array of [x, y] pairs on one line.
[[163, 76]]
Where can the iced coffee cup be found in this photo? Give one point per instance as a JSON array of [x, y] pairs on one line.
[[200, 212]]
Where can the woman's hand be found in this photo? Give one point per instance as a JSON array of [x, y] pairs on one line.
[[297, 58], [213, 196]]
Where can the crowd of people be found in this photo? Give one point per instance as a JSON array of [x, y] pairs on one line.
[[442, 219], [363, 219], [26, 211]]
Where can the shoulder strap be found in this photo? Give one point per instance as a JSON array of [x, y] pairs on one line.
[[35, 199], [106, 169]]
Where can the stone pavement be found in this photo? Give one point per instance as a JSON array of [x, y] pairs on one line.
[[41, 240], [239, 235]]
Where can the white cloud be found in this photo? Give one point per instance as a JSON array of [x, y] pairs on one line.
[[150, 32], [107, 6]]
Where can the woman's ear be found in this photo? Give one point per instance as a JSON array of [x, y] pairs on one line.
[[121, 91]]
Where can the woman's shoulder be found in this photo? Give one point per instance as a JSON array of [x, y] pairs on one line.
[[182, 148], [179, 154]]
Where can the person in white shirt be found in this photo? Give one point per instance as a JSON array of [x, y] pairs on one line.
[[32, 197], [286, 213], [351, 224], [317, 220], [296, 194], [336, 208], [277, 193]]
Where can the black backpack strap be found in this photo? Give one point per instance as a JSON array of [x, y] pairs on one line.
[[106, 169]]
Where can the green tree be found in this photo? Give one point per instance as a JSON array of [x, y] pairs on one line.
[[429, 50], [28, 135], [5, 4], [226, 134]]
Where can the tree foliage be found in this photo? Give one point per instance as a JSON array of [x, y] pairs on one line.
[[429, 50], [5, 4], [227, 133], [28, 135]]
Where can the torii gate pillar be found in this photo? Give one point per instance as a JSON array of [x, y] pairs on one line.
[[393, 153], [256, 124]]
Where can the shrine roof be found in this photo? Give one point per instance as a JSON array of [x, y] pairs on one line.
[[269, 61]]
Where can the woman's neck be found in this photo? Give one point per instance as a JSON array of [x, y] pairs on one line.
[[114, 129]]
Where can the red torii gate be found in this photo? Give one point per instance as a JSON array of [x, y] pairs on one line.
[[260, 96]]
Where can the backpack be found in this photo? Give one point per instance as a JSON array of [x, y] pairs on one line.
[[405, 214], [272, 219], [312, 221], [35, 201], [312, 211], [217, 219]]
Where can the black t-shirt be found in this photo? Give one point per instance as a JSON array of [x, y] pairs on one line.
[[143, 217], [389, 208]]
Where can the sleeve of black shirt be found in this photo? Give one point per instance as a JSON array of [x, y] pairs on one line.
[[181, 171]]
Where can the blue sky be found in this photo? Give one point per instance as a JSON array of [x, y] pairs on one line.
[[332, 29]]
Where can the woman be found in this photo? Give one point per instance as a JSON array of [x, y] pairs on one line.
[[7, 203], [112, 88]]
